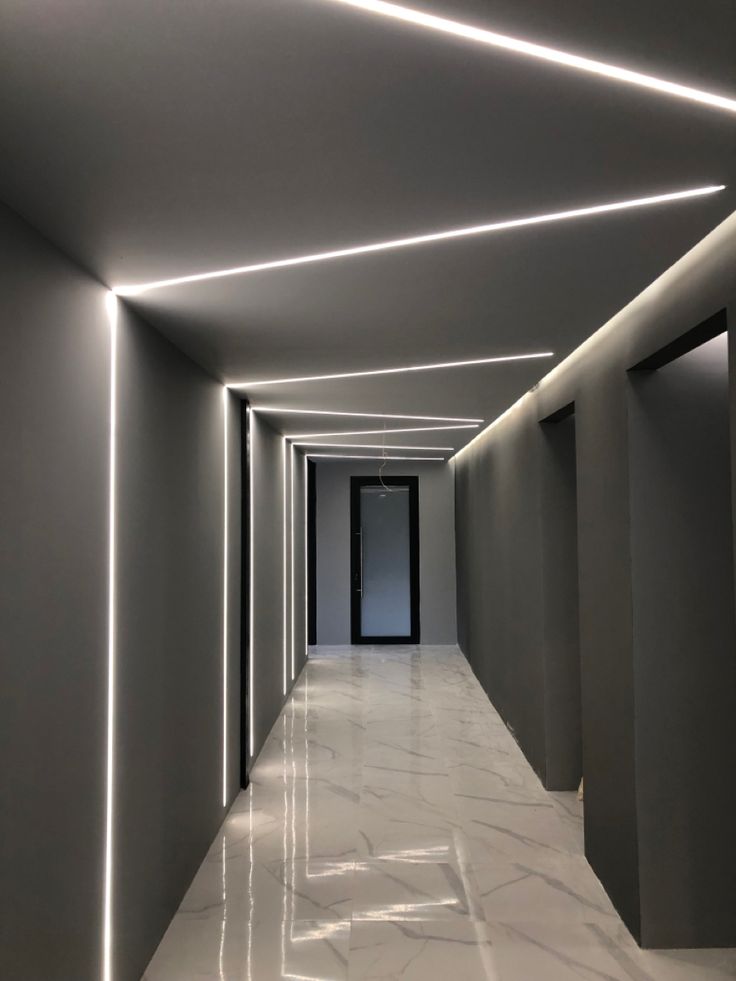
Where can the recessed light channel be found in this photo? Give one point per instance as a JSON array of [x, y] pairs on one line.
[[393, 371], [379, 432], [111, 307], [402, 243], [359, 415], [375, 456], [481, 36], [377, 446]]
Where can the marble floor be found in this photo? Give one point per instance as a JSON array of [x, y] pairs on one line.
[[393, 829]]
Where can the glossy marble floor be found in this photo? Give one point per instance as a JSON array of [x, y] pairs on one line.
[[394, 830]]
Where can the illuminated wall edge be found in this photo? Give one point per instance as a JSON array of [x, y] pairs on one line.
[[251, 594], [111, 309], [285, 597], [292, 561], [225, 586], [306, 555], [648, 294]]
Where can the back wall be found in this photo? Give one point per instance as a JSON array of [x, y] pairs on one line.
[[436, 548]]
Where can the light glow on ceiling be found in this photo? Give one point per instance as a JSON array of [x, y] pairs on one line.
[[402, 243], [394, 371], [480, 35], [359, 415], [380, 432], [111, 309]]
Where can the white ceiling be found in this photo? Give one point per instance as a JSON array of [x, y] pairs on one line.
[[159, 140]]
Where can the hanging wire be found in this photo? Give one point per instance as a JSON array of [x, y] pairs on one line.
[[388, 490]]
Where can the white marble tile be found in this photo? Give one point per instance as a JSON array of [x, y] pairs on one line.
[[393, 829], [561, 952], [440, 950], [550, 889], [395, 890]]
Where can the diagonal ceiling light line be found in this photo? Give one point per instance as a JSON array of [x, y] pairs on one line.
[[480, 35], [498, 359], [374, 456], [401, 243], [378, 432], [279, 410], [374, 446]]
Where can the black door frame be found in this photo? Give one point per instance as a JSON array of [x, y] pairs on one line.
[[356, 483]]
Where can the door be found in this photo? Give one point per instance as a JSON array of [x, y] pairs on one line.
[[384, 574]]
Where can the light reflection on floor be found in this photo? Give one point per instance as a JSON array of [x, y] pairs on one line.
[[394, 830]]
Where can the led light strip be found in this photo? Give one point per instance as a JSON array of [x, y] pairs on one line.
[[539, 51], [293, 572], [225, 586], [402, 243], [378, 432], [375, 446], [251, 594], [306, 576], [341, 456], [285, 596], [111, 307], [358, 415], [394, 371]]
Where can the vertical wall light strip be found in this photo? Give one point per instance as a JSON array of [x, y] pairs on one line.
[[293, 562], [111, 307], [306, 558], [225, 584], [285, 597], [251, 593]]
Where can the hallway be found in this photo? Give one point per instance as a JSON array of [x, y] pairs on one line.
[[393, 829]]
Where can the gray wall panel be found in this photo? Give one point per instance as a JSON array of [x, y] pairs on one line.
[[272, 623], [684, 643], [54, 359], [170, 609], [54, 416]]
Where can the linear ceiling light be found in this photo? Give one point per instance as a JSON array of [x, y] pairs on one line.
[[393, 371], [376, 446], [541, 52], [401, 243], [359, 415], [380, 432], [341, 456]]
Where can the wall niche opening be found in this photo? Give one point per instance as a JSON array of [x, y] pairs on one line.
[[562, 696], [684, 640]]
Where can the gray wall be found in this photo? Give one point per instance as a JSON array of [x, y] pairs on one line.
[[436, 548], [54, 356], [271, 461], [170, 609], [501, 515], [54, 417]]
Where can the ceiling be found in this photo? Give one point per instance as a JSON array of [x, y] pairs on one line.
[[158, 140]]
